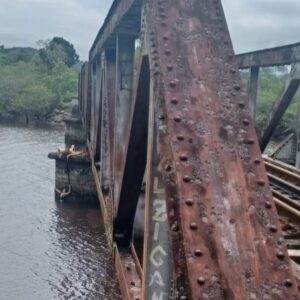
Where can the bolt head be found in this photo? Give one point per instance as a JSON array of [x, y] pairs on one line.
[[280, 255], [189, 202], [201, 280], [268, 204], [261, 182], [273, 228], [198, 252], [194, 226], [186, 178], [288, 282]]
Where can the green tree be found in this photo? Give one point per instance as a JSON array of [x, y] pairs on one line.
[[28, 87], [13, 79], [34, 101], [58, 51], [63, 81]]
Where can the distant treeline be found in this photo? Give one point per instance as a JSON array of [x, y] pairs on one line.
[[34, 82]]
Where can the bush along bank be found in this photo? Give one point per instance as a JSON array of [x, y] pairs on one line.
[[37, 85]]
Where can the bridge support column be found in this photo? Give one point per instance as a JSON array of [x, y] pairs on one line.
[[74, 180], [252, 90], [297, 159], [75, 134], [124, 83]]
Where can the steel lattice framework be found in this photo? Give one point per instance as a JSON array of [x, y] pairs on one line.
[[168, 125]]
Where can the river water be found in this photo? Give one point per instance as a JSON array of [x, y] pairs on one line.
[[47, 250]]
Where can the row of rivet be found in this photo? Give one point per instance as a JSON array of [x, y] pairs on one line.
[[261, 182], [183, 157], [193, 226]]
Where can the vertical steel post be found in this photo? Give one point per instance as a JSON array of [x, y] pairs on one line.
[[280, 106], [124, 85], [297, 162], [252, 90], [157, 264]]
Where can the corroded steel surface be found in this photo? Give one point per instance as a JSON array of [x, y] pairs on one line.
[[84, 95], [284, 55], [223, 232], [119, 12], [216, 184]]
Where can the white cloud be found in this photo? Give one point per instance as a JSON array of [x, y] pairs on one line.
[[254, 24], [258, 24], [23, 22]]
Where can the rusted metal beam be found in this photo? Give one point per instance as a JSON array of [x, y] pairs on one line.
[[123, 104], [108, 124], [216, 185], [85, 97], [120, 11], [96, 105], [223, 239], [131, 283], [135, 163], [252, 90], [297, 139], [158, 264], [284, 55], [280, 106]]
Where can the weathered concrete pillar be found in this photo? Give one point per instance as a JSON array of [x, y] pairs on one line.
[[74, 180], [75, 135]]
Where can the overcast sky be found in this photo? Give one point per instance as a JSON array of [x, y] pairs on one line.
[[254, 24]]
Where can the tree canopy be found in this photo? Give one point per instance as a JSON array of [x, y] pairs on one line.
[[58, 51], [35, 84]]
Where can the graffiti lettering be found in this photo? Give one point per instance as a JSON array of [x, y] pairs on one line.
[[160, 214], [155, 258], [160, 297], [156, 278]]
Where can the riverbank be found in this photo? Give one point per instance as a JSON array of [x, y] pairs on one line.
[[56, 118]]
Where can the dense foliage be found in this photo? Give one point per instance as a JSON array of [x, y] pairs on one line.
[[271, 86], [58, 51], [30, 85], [35, 82]]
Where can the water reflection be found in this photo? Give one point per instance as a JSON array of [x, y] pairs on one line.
[[48, 250]]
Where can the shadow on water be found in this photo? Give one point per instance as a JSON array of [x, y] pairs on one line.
[[48, 250], [87, 272]]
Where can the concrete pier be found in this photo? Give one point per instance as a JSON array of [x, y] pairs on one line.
[[75, 134], [74, 180]]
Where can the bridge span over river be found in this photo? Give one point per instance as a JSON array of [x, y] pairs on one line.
[[170, 135]]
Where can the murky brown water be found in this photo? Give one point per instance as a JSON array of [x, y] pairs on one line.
[[47, 250]]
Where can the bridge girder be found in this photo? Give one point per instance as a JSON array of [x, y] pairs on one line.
[[197, 150]]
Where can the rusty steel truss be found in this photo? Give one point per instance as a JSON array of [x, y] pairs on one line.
[[182, 186], [254, 61]]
